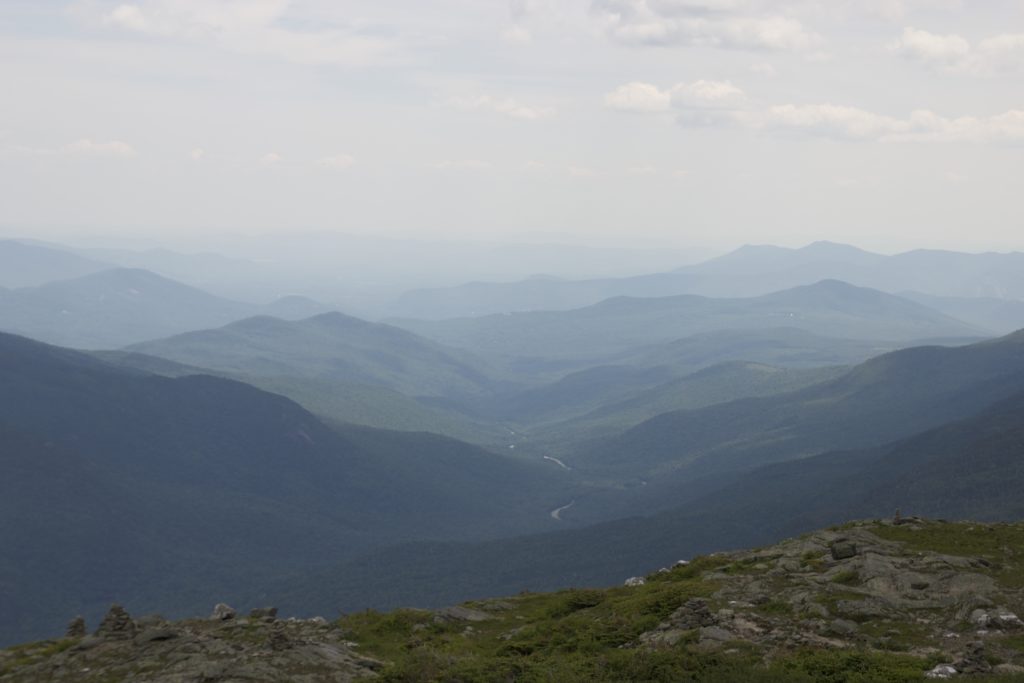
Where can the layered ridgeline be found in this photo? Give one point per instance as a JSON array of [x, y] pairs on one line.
[[828, 308], [168, 492], [112, 308], [344, 368], [351, 370], [29, 265], [748, 271], [899, 600], [936, 430]]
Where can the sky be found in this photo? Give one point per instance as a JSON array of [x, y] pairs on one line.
[[889, 124]]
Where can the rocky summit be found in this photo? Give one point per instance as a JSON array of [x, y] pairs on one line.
[[223, 647], [896, 600]]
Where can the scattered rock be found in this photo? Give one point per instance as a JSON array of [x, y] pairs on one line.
[[223, 612], [973, 661], [155, 634], [76, 628], [694, 613], [460, 614], [998, 618], [716, 634], [317, 621], [87, 643], [634, 581], [942, 671], [843, 627], [277, 640], [263, 613], [843, 550]]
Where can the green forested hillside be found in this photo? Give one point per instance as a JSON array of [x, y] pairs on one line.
[[331, 346], [891, 396]]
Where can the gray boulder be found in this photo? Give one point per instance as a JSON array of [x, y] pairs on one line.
[[222, 612]]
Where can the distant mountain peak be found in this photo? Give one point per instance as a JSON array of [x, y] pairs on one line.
[[337, 319], [833, 248]]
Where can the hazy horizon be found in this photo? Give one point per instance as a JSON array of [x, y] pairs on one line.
[[887, 124]]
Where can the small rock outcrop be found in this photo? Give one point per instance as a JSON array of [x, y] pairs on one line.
[[189, 651], [263, 613], [453, 614], [222, 612], [843, 549], [973, 660]]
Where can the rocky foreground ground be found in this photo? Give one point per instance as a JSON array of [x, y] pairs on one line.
[[899, 600]]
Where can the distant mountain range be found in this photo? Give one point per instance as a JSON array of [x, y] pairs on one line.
[[112, 308], [746, 272], [29, 265], [828, 308], [174, 492]]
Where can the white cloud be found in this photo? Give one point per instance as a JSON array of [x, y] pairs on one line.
[[641, 170], [338, 161], [1002, 53], [724, 24], [197, 154], [826, 120], [518, 35], [252, 27], [581, 171], [648, 98], [954, 53], [763, 69], [706, 93], [639, 97], [505, 106], [271, 159], [931, 48], [852, 123], [112, 148]]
